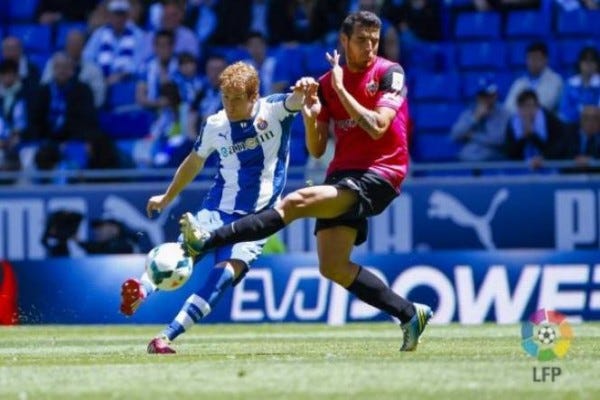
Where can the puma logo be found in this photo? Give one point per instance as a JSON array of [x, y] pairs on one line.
[[443, 205], [221, 134], [120, 209]]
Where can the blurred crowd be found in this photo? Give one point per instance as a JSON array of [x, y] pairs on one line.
[[111, 84]]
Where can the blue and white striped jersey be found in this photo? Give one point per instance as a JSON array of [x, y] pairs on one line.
[[253, 156]]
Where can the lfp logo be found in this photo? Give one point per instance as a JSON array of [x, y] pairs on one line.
[[546, 335]]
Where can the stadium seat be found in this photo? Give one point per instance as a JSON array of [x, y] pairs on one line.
[[527, 24], [434, 148], [126, 125], [22, 10], [39, 59], [569, 52], [481, 55], [435, 87], [478, 25], [435, 116], [63, 29], [578, 22], [121, 94], [315, 63], [431, 57], [290, 64], [470, 83], [35, 38]]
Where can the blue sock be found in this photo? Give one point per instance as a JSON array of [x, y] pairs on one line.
[[200, 304]]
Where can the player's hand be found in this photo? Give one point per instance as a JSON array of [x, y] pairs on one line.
[[311, 107], [337, 73], [156, 203]]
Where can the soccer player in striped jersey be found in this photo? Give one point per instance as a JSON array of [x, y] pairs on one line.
[[366, 101], [251, 135]]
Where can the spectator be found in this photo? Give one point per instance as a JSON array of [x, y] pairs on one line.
[[118, 46], [171, 20], [159, 69], [481, 128], [504, 5], [533, 133], [169, 142], [416, 20], [86, 72], [583, 88], [186, 77], [63, 111], [52, 11], [570, 5], [110, 236], [237, 18], [540, 77], [13, 114], [29, 73], [208, 99], [256, 45], [201, 16], [60, 233], [583, 142]]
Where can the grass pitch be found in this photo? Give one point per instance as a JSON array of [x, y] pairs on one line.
[[357, 361]]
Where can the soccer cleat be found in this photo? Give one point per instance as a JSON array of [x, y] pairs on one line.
[[132, 295], [160, 345], [194, 236], [414, 328]]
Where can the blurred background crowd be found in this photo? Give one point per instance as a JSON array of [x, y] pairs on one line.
[[113, 84]]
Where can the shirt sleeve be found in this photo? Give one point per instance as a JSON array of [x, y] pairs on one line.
[[392, 89], [204, 144], [277, 104]]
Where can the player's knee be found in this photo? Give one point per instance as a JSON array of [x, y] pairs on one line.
[[293, 204], [332, 271]]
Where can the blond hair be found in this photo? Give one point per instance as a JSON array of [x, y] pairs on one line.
[[240, 76]]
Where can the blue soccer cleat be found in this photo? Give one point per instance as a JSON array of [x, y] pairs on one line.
[[194, 236], [414, 328]]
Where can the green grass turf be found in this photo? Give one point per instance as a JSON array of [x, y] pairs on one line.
[[357, 361]]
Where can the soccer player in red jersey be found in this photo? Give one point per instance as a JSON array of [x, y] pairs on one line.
[[366, 100]]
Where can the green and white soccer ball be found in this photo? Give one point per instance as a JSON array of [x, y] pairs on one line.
[[168, 266]]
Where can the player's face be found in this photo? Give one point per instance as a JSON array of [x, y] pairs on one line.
[[238, 106], [361, 47]]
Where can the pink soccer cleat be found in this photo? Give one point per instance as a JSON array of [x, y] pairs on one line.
[[132, 295], [160, 345]]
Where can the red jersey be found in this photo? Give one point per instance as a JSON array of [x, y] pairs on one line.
[[381, 85]]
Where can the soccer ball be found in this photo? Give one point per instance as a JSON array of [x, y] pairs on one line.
[[168, 266], [546, 334]]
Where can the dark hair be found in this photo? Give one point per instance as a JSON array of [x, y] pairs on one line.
[[171, 92], [525, 95], [165, 33], [538, 47], [363, 18], [186, 57], [256, 35], [8, 67], [588, 53]]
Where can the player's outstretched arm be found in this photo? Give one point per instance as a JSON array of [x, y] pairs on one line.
[[186, 172], [374, 122], [301, 88]]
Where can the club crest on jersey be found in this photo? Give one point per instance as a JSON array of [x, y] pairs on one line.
[[372, 87], [261, 124]]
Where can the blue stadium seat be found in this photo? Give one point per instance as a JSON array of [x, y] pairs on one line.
[[578, 22], [22, 10], [431, 57], [39, 59], [435, 87], [63, 29], [470, 83], [527, 24], [434, 148], [126, 125], [481, 55], [121, 94], [315, 63], [435, 116], [290, 64], [478, 25], [75, 154], [35, 38], [569, 52]]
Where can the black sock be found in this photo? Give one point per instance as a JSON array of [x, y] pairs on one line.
[[251, 227], [370, 289]]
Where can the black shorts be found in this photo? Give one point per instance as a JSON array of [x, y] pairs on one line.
[[374, 195]]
